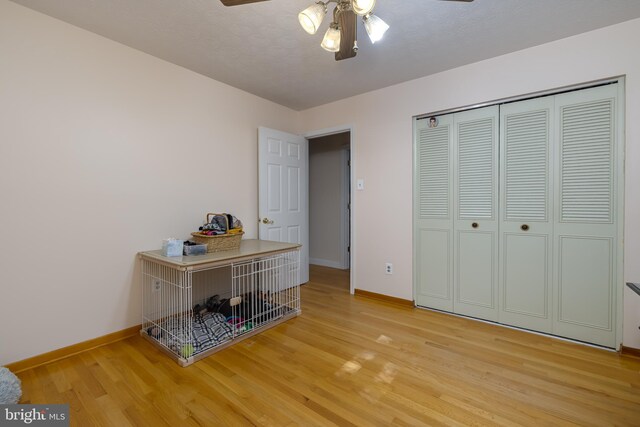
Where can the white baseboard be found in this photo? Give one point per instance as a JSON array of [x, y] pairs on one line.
[[326, 263]]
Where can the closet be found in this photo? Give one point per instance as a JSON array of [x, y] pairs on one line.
[[517, 213]]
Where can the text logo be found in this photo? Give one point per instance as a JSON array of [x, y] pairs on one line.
[[34, 415]]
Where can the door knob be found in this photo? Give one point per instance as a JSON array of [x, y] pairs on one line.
[[524, 227], [267, 221], [474, 225]]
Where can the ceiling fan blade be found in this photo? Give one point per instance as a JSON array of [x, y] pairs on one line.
[[238, 2], [347, 21]]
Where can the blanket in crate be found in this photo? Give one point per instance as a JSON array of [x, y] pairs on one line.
[[207, 330]]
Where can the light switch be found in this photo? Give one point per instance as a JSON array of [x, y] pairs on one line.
[[360, 184]]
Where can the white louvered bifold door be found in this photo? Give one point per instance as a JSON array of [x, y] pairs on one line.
[[585, 216], [433, 216], [476, 217], [526, 226]]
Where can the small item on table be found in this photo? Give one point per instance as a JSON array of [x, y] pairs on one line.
[[172, 247], [193, 248]]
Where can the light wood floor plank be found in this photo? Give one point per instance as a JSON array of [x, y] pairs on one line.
[[350, 361]]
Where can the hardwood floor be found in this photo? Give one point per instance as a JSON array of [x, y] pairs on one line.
[[350, 361]]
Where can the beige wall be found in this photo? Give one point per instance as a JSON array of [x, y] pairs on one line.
[[105, 151], [382, 143], [326, 181]]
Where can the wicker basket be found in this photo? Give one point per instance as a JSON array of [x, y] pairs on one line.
[[222, 242]]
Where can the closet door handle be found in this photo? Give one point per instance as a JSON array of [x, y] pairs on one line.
[[524, 227], [266, 221], [474, 225]]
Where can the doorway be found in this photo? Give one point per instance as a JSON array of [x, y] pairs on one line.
[[330, 201]]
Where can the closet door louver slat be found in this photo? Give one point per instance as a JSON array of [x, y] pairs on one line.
[[433, 159], [526, 166], [586, 158], [475, 169]]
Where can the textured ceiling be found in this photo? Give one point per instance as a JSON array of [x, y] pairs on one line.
[[261, 48]]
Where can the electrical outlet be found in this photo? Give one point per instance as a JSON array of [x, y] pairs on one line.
[[388, 268], [157, 285]]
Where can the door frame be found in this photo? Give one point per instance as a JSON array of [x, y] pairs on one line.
[[619, 191], [352, 227], [619, 203], [345, 201]]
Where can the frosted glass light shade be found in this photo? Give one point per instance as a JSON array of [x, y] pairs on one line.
[[331, 40], [362, 7], [375, 27], [311, 18]]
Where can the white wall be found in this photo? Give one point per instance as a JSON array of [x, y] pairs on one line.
[[326, 182], [382, 143], [105, 151]]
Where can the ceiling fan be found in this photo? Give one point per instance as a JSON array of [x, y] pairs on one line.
[[341, 37]]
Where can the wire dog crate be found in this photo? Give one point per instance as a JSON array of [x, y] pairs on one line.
[[193, 306]]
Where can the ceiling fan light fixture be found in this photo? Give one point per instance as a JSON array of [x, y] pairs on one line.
[[311, 18], [362, 7], [331, 40], [375, 27]]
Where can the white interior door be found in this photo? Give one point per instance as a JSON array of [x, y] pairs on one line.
[[526, 225], [545, 254], [585, 221], [476, 217], [283, 199], [433, 213]]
